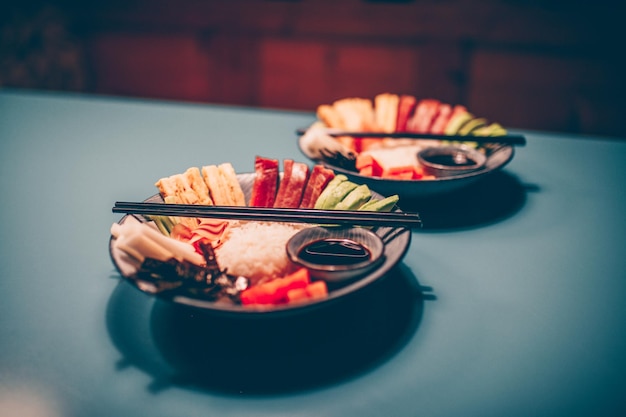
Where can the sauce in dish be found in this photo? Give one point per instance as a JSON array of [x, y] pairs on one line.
[[457, 159], [445, 161], [334, 251]]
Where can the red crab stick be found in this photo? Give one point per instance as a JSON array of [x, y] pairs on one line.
[[295, 175], [319, 179], [265, 184]]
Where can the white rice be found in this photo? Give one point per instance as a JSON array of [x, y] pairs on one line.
[[257, 250]]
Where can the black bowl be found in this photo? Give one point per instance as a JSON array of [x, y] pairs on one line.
[[496, 159], [396, 243]]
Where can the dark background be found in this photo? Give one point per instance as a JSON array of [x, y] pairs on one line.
[[546, 65]]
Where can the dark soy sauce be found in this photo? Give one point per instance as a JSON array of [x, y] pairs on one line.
[[334, 252], [451, 160]]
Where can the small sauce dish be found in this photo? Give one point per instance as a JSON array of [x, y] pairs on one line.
[[336, 254], [446, 161]]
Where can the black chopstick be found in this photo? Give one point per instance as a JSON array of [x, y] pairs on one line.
[[315, 216], [518, 140]]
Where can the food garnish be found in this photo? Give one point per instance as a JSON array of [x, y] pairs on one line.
[[195, 255], [392, 158], [295, 287], [295, 176], [319, 179], [265, 184]]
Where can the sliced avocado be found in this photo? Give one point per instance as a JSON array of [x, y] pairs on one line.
[[355, 198], [386, 204], [469, 127], [494, 129], [457, 122], [498, 131], [482, 131], [338, 179], [337, 194]]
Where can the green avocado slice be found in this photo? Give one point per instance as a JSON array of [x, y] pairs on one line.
[[321, 200], [384, 205], [457, 122], [469, 127], [355, 198], [337, 194], [494, 129]]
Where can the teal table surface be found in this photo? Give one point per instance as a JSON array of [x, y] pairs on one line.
[[509, 302]]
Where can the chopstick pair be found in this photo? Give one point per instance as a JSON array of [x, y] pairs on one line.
[[289, 215], [513, 140]]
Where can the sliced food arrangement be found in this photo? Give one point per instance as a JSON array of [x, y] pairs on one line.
[[381, 137], [244, 264]]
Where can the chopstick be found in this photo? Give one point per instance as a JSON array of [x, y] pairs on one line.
[[518, 140], [335, 217]]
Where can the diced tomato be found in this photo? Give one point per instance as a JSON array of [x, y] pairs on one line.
[[275, 291], [367, 171], [297, 295], [314, 291], [296, 287], [399, 172], [376, 169], [368, 165], [419, 173], [363, 160], [404, 175], [298, 279], [317, 290], [254, 296], [408, 172]]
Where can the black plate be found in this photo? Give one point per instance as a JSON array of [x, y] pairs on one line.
[[409, 189], [396, 241]]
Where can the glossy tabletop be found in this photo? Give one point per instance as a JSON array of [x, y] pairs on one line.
[[509, 302]]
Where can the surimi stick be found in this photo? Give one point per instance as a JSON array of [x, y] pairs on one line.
[[406, 108], [425, 113], [439, 125]]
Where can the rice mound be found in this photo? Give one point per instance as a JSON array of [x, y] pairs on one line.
[[257, 250]]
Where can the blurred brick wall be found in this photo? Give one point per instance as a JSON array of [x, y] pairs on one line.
[[38, 50], [548, 65]]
